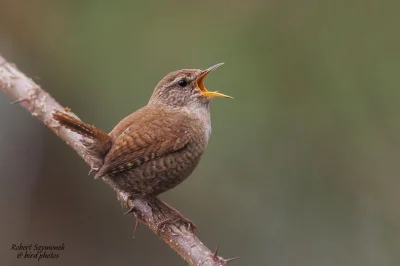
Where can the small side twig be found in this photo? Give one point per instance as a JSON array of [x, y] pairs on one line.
[[180, 237]]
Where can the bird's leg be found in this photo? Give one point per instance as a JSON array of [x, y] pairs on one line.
[[176, 219]]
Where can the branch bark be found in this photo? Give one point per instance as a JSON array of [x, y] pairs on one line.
[[152, 212]]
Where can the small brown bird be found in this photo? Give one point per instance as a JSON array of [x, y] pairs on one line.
[[158, 146]]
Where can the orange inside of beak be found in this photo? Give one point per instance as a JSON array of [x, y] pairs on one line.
[[200, 83]]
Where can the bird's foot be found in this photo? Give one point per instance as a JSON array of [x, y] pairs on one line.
[[177, 220]]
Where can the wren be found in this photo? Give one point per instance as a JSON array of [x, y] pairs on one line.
[[157, 147]]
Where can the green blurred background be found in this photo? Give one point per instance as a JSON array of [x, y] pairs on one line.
[[302, 167]]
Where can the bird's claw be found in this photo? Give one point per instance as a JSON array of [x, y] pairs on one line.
[[176, 219]]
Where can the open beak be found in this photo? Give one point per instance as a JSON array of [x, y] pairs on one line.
[[200, 83]]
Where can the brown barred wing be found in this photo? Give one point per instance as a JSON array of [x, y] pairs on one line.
[[157, 137]]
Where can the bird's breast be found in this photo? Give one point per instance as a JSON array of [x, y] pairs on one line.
[[201, 125]]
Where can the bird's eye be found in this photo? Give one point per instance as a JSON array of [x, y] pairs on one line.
[[182, 83]]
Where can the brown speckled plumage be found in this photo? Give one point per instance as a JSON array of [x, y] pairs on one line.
[[158, 146]]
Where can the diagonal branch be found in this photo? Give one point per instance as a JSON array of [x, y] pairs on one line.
[[152, 212]]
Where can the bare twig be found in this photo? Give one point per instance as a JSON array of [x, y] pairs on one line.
[[152, 212]]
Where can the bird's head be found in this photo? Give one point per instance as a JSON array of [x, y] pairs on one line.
[[185, 88]]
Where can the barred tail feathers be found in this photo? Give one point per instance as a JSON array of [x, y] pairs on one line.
[[77, 126]]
